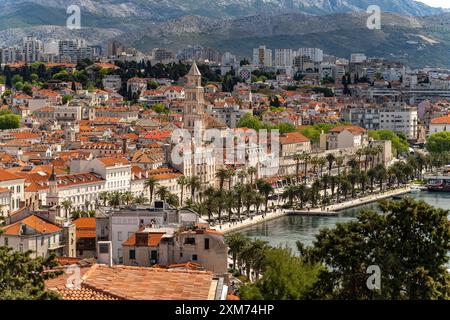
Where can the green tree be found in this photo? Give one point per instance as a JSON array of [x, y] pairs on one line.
[[22, 277], [285, 277], [409, 242], [439, 142]]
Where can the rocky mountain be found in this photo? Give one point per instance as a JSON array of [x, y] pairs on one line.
[[412, 32], [160, 10], [415, 40]]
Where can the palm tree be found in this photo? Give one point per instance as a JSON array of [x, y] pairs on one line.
[[330, 158], [127, 197], [236, 242], [381, 174], [302, 194], [115, 199], [339, 163], [239, 190], [140, 199], [172, 200], [326, 179], [104, 196], [248, 198], [266, 189], [150, 183], [372, 174], [367, 152], [67, 205], [162, 193], [359, 153], [297, 157], [210, 201], [314, 163], [353, 179], [345, 187], [251, 172], [363, 179], [230, 203], [321, 163], [222, 174], [231, 174], [182, 182], [242, 175], [258, 199], [194, 184], [306, 158], [290, 192]]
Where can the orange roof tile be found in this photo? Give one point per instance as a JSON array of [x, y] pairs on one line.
[[147, 239], [441, 120], [34, 222], [140, 283]]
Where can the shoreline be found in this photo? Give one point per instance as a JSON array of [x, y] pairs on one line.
[[336, 208]]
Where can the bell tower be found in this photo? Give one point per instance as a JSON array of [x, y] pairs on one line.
[[194, 104]]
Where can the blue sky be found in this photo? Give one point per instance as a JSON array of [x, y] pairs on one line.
[[437, 3]]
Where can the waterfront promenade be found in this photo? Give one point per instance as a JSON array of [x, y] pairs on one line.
[[248, 222]]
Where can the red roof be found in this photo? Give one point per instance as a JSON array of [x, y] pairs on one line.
[[441, 120], [351, 128], [34, 222]]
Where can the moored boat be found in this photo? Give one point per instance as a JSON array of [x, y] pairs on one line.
[[438, 183]]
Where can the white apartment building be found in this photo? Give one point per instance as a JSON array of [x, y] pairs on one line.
[[358, 58], [400, 119], [262, 57], [115, 171], [315, 54], [15, 184], [31, 47], [119, 225], [284, 57]]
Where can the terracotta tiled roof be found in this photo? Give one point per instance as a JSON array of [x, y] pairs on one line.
[[7, 176], [86, 227], [34, 222], [293, 137], [109, 161], [83, 293], [140, 283], [350, 128], [152, 239], [441, 120]]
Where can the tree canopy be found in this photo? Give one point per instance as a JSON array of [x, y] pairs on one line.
[[399, 142], [22, 277], [439, 142], [409, 242]]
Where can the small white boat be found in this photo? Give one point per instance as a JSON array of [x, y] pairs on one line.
[[416, 188]]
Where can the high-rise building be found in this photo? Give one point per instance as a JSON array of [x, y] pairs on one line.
[[74, 50], [115, 48], [358, 58], [262, 57], [10, 55], [315, 54], [284, 57], [31, 48]]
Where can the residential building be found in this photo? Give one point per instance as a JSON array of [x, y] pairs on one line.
[[15, 184], [40, 236], [262, 57], [346, 136]]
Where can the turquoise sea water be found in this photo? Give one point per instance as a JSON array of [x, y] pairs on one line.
[[286, 231]]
